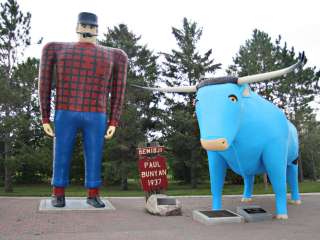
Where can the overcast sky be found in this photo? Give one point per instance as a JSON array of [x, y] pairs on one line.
[[226, 23]]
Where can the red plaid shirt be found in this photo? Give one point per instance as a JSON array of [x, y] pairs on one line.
[[86, 73]]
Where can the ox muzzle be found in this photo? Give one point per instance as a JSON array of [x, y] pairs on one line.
[[219, 144]]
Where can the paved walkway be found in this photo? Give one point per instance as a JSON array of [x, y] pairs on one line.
[[20, 219]]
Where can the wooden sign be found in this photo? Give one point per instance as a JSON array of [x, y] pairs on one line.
[[153, 173], [150, 150]]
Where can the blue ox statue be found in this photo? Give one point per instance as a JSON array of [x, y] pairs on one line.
[[243, 131]]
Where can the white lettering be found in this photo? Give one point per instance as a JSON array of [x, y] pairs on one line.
[[154, 164], [150, 150], [162, 172], [147, 174], [154, 182]]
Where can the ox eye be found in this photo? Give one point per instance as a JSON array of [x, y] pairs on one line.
[[233, 98]]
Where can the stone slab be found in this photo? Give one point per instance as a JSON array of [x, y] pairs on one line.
[[254, 213], [216, 217], [163, 205], [74, 204]]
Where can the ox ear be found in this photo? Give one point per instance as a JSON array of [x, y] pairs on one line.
[[245, 90]]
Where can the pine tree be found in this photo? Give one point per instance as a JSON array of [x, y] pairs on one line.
[[257, 55], [292, 93], [185, 66], [31, 150], [14, 37], [139, 116], [310, 149]]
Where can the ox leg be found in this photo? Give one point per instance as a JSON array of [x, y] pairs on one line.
[[274, 159], [292, 178], [217, 169], [248, 188]]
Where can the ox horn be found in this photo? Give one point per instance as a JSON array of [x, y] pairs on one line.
[[182, 89], [278, 73]]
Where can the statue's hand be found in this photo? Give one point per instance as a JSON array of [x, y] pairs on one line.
[[111, 130], [48, 130]]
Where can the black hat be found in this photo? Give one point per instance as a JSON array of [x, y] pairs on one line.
[[88, 18]]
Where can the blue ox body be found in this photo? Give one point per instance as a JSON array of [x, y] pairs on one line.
[[244, 132]]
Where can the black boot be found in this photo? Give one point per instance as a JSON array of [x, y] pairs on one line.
[[58, 201], [95, 202]]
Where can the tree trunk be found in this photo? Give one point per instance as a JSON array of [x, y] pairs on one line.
[[314, 171], [194, 181], [193, 169], [265, 181], [300, 169], [124, 183], [7, 180], [124, 177], [196, 153], [7, 170]]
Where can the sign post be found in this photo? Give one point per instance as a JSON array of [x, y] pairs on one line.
[[153, 178]]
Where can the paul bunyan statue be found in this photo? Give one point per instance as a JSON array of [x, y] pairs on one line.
[[244, 132], [86, 74]]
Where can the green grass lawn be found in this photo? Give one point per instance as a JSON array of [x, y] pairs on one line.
[[135, 190]]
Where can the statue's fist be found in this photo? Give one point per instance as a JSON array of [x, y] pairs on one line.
[[48, 130], [111, 130]]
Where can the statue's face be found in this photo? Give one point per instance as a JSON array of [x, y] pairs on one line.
[[86, 28]]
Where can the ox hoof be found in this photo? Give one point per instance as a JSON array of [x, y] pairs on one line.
[[281, 217], [246, 200], [295, 202]]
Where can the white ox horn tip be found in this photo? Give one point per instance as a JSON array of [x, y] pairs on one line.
[[269, 75], [182, 89]]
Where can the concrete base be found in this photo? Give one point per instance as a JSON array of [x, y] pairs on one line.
[[216, 217], [74, 204], [254, 213]]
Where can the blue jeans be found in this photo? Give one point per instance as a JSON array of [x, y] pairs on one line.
[[93, 127]]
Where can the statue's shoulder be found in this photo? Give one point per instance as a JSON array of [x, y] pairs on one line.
[[116, 51], [58, 45]]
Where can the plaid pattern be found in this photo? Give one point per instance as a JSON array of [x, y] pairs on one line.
[[86, 74]]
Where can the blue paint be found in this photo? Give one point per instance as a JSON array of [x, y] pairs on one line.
[[67, 124], [260, 139]]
